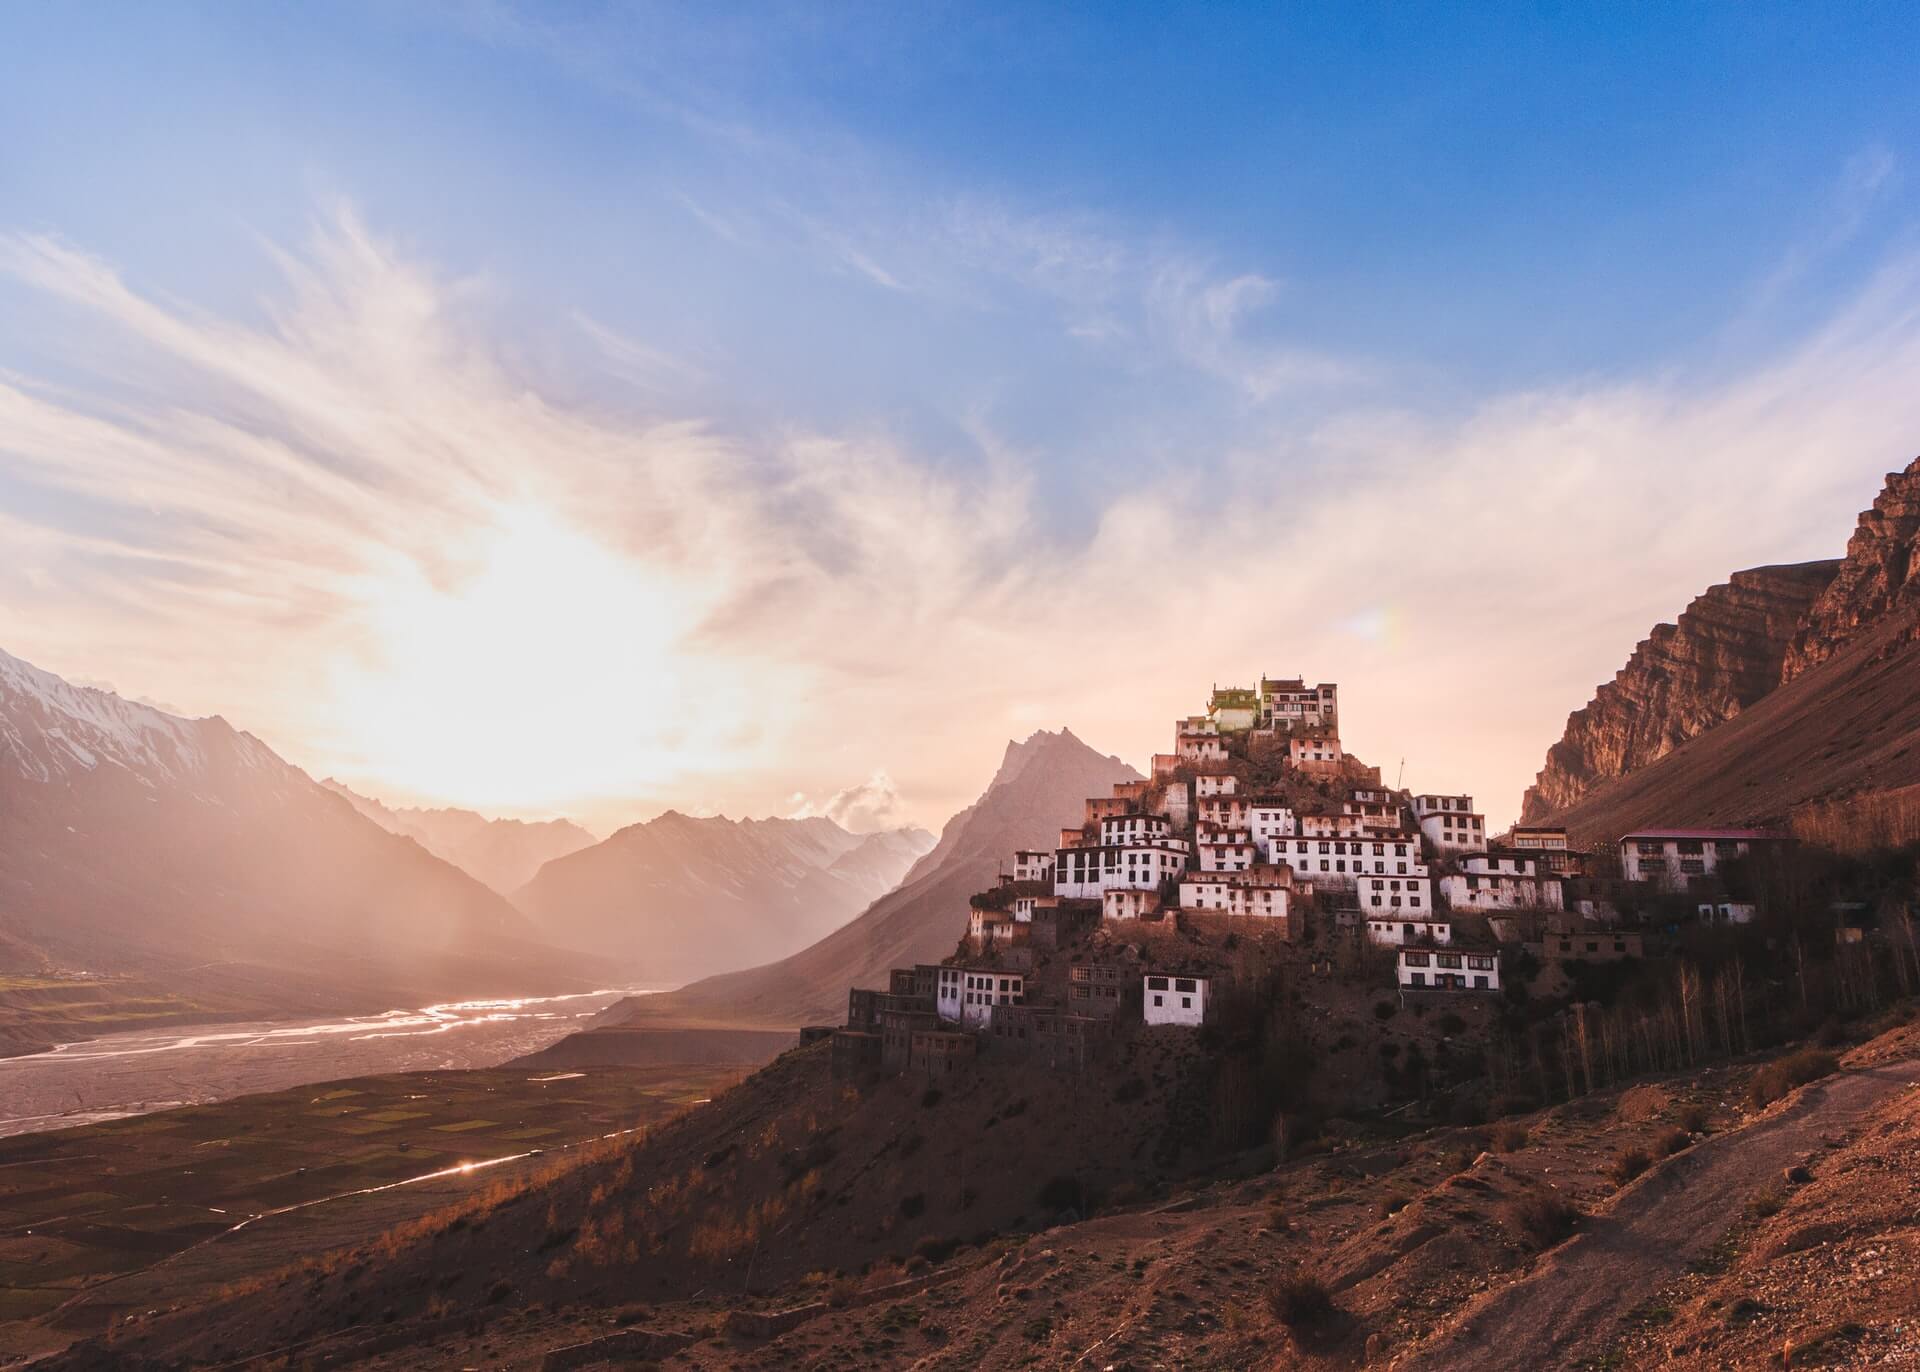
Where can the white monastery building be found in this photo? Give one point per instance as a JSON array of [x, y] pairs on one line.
[[1439, 969], [1672, 856], [1174, 1000]]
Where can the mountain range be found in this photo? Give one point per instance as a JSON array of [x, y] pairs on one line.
[[137, 841], [1041, 785], [1785, 686], [503, 853], [680, 897]]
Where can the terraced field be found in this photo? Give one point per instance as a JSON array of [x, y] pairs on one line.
[[88, 1216]]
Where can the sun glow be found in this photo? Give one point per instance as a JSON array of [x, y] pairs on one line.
[[549, 667]]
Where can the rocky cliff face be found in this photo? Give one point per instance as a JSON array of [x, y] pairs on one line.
[[1734, 645], [1881, 571], [1724, 654]]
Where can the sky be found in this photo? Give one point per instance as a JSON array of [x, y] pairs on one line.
[[595, 409]]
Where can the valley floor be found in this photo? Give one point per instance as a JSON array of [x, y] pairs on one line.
[[98, 1221], [188, 1058], [1776, 1236]]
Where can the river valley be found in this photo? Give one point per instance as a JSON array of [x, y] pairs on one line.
[[141, 1071]]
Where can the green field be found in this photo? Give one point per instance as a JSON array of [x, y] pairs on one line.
[[82, 1206]]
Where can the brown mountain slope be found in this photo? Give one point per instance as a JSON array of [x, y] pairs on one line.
[[1724, 654], [1850, 724], [1042, 784], [134, 841], [1736, 646], [681, 897], [503, 853], [1880, 573]]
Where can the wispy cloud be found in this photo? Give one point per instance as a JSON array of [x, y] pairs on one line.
[[358, 530]]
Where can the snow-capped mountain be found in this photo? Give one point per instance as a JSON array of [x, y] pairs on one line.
[[133, 840], [679, 897], [504, 853], [51, 730]]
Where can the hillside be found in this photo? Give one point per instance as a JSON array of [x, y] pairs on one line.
[[1787, 684], [1042, 784], [136, 842], [1725, 652], [1851, 724], [502, 853], [680, 897], [1029, 1217]]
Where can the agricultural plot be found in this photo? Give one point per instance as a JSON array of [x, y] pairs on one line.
[[80, 1208]]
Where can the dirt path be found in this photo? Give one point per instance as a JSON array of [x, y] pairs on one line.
[[1570, 1307]]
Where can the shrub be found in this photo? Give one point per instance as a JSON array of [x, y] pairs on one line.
[[1544, 1218], [1300, 1300], [930, 1097], [1671, 1141], [914, 1206], [1694, 1118], [1782, 1075], [1627, 1164], [1510, 1138], [1061, 1193], [936, 1250], [1385, 1010], [1130, 1090], [1767, 1201], [1451, 1023]]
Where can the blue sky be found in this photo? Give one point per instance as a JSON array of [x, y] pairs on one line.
[[1075, 271]]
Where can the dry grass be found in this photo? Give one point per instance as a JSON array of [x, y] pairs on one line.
[[1510, 1138], [1878, 819], [1777, 1078], [1627, 1164], [1544, 1218]]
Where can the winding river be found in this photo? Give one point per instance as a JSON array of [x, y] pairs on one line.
[[133, 1073]]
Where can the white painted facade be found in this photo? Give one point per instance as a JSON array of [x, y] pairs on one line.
[[1292, 704], [1389, 897], [1330, 826], [1228, 857], [1033, 864], [1201, 748], [1084, 873], [1672, 856], [1224, 785], [1312, 751], [1132, 831], [1728, 912], [967, 995], [1435, 969], [1502, 891], [1454, 831], [1268, 820], [1339, 862], [1174, 1000], [1222, 811], [1221, 896], [1396, 932], [1126, 902]]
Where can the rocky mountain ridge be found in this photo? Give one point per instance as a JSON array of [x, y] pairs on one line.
[[1737, 645]]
